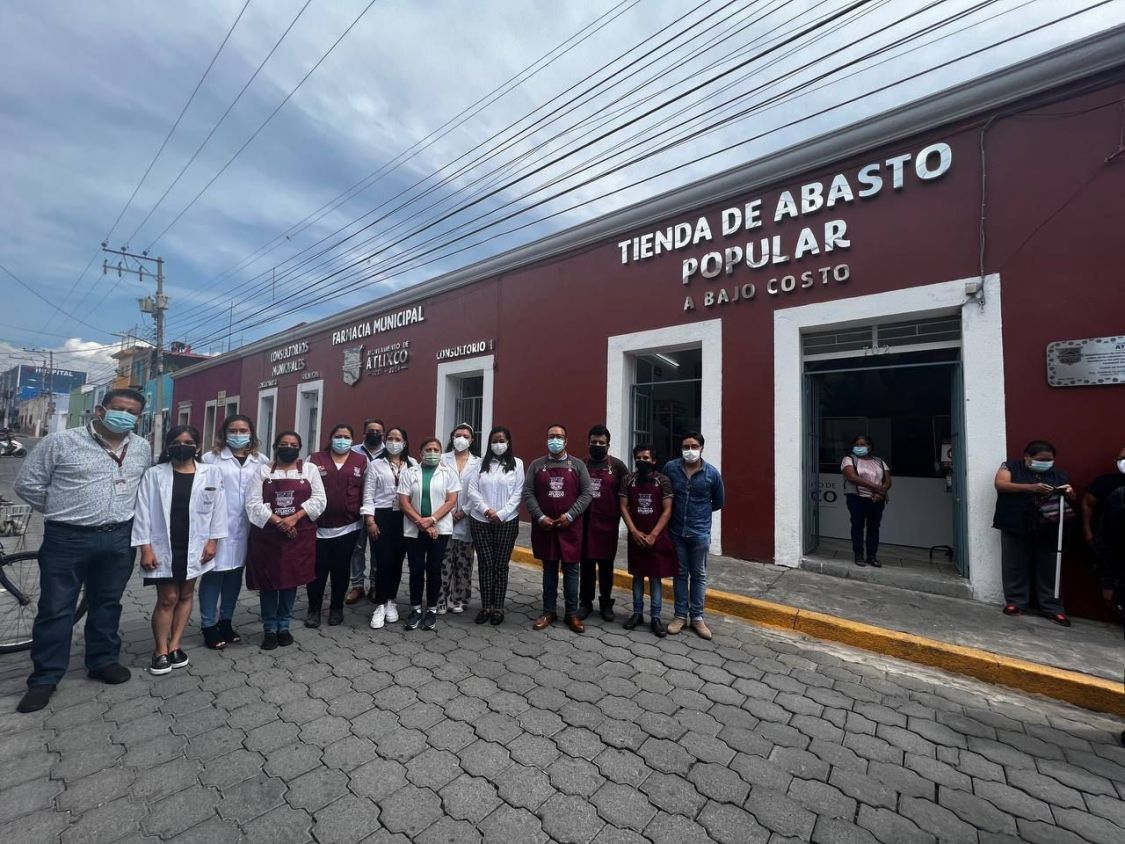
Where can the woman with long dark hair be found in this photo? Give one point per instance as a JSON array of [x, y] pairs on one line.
[[283, 504], [238, 460], [493, 504], [383, 519], [457, 567], [181, 515]]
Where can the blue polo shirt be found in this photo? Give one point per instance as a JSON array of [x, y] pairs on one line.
[[694, 499]]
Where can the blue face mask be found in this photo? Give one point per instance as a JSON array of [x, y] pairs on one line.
[[555, 445], [237, 441], [119, 421], [341, 445], [1042, 465], [860, 450]]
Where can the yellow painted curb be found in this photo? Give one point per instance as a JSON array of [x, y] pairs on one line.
[[1082, 690]]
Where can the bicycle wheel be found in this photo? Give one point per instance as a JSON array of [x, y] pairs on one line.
[[19, 599]]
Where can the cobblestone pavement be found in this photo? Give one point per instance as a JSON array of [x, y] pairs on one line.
[[476, 733]]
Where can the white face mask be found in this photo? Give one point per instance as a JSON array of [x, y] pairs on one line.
[[691, 455], [461, 443], [1121, 466], [394, 446], [499, 448]]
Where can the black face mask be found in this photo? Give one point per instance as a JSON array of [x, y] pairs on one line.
[[644, 468], [288, 453], [372, 441], [598, 452], [181, 451]]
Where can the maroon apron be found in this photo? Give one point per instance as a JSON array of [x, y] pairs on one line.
[[556, 490], [603, 515], [646, 503], [273, 560]]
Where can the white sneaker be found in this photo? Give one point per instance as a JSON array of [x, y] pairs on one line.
[[392, 612], [441, 608], [458, 607], [378, 618]]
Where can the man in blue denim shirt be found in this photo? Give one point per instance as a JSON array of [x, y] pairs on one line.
[[697, 489]]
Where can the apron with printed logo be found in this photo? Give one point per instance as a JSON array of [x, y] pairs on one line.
[[274, 561], [603, 516], [556, 489], [646, 503]]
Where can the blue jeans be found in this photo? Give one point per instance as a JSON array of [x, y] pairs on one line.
[[690, 586], [571, 576], [277, 609], [67, 559], [655, 593], [218, 596]]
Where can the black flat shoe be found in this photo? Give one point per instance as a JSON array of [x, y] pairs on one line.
[[35, 698], [335, 617], [859, 561], [269, 641], [585, 610], [606, 608], [1058, 617], [112, 674], [284, 638], [874, 563], [497, 618], [634, 620], [482, 616], [312, 621], [658, 627], [1011, 609], [178, 659]]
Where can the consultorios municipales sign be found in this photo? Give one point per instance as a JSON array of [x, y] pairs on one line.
[[386, 322], [289, 358], [763, 255]]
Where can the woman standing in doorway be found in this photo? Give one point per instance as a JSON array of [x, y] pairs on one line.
[[181, 516], [427, 494], [341, 471], [493, 502], [867, 480], [1025, 488], [238, 461], [283, 504], [457, 567], [383, 519]]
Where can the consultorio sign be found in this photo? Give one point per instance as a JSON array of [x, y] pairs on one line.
[[764, 255]]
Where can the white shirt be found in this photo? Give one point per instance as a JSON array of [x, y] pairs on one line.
[[237, 478], [207, 517], [871, 469], [443, 482], [496, 490], [380, 485], [259, 512], [472, 465]]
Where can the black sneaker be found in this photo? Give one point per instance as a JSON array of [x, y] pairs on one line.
[[112, 674], [178, 659], [160, 665], [35, 698], [429, 620], [284, 638], [414, 619], [335, 617], [269, 641]]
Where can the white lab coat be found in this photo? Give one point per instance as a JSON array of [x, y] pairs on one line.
[[207, 517], [472, 466], [443, 482], [236, 480]]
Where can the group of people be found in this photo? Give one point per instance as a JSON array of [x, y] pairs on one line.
[[222, 514]]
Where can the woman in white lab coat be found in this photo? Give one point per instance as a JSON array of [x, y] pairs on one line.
[[238, 460], [181, 515]]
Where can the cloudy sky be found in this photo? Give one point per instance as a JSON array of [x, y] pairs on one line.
[[427, 121]]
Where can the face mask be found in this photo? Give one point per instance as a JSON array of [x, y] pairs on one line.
[[288, 453], [373, 441], [1121, 466], [119, 421], [691, 455], [644, 468], [860, 450], [1042, 465], [394, 446], [181, 451], [237, 441], [598, 452], [555, 445], [502, 448], [431, 458], [341, 445], [461, 443]]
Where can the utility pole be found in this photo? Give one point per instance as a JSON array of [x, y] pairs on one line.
[[48, 383], [156, 307]]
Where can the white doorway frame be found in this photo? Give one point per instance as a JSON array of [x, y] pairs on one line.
[[449, 375], [266, 433], [300, 410], [621, 367], [982, 350]]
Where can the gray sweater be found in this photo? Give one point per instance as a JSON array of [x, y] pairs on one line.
[[585, 492]]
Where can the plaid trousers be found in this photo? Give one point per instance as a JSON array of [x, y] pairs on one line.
[[494, 544]]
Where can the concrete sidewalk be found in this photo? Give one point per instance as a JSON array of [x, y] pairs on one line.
[[1089, 647]]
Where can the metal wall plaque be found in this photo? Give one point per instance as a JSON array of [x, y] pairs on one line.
[[1080, 363]]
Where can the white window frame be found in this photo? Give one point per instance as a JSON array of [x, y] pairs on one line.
[[211, 407], [621, 367], [449, 375], [183, 413], [236, 401], [266, 445], [982, 350], [300, 408]]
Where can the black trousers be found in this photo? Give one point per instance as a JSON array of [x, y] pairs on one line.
[[333, 559], [1023, 558], [866, 515], [426, 555], [389, 551], [494, 543], [599, 571]]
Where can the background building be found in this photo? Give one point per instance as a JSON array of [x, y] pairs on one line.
[[24, 382]]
